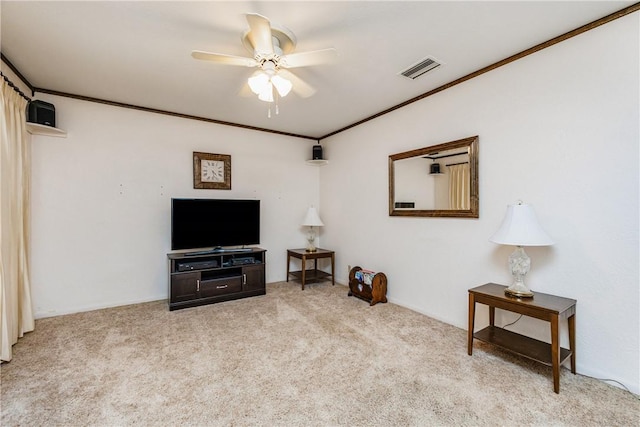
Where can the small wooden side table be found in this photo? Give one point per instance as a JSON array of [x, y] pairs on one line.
[[542, 306], [314, 274]]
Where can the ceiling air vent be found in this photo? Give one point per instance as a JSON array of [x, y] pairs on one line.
[[420, 68]]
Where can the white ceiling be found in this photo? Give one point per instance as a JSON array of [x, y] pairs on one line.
[[139, 52]]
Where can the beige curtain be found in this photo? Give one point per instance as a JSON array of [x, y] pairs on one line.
[[459, 186], [16, 312]]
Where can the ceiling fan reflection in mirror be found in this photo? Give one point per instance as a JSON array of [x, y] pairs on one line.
[[272, 48]]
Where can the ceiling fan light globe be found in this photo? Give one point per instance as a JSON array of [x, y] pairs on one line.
[[282, 85], [266, 95], [258, 83]]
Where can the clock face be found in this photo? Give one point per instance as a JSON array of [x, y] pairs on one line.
[[212, 171]]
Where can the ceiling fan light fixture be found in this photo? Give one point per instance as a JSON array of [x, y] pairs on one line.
[[282, 85], [258, 82], [267, 93]]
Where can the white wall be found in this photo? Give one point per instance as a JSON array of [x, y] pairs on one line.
[[101, 200], [558, 129]]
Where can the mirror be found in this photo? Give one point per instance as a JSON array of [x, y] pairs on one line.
[[436, 181]]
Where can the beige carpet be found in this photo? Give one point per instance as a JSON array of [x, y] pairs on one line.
[[290, 358]]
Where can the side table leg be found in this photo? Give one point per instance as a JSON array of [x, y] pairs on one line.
[[472, 316], [333, 272], [555, 353], [492, 315], [304, 270], [572, 342]]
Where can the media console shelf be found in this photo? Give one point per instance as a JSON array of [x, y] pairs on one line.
[[206, 278]]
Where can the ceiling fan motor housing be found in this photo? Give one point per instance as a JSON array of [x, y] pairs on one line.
[[284, 41]]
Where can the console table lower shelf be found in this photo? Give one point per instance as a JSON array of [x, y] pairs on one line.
[[521, 345]]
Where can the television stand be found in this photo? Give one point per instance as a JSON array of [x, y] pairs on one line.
[[200, 278]]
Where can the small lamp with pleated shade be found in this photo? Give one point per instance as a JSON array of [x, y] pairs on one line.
[[312, 220]]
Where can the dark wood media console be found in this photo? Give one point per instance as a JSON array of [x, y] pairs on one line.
[[206, 278]]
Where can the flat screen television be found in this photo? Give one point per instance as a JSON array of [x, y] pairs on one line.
[[214, 223]]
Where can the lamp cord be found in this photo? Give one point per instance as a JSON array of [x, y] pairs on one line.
[[509, 324]]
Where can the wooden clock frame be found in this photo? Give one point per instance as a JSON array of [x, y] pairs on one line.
[[197, 176]]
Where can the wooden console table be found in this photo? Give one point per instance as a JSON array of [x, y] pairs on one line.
[[542, 306], [305, 275]]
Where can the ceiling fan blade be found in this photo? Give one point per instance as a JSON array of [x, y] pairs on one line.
[[304, 59], [221, 58], [300, 87], [245, 91], [260, 34]]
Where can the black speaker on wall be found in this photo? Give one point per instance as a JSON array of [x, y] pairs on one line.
[[317, 152], [42, 113]]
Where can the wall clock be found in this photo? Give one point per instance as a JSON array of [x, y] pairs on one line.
[[212, 171]]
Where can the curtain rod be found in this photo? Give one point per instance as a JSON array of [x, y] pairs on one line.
[[455, 164], [14, 87], [436, 157]]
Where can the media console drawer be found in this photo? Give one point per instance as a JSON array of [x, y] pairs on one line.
[[220, 286]]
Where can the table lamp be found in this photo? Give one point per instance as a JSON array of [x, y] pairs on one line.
[[312, 220], [520, 228]]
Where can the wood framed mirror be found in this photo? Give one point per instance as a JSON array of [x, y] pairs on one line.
[[436, 181]]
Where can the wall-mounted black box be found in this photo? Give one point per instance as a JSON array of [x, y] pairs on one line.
[[317, 152], [42, 113]]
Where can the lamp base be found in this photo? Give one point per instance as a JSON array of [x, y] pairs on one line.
[[520, 263], [518, 294], [311, 239]]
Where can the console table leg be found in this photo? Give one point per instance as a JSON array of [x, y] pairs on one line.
[[472, 316], [288, 261], [555, 353], [572, 341], [492, 316]]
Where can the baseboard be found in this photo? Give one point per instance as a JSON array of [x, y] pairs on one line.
[[82, 309]]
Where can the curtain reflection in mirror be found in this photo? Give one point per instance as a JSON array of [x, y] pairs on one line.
[[459, 186]]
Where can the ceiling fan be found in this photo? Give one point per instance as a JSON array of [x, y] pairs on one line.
[[272, 48]]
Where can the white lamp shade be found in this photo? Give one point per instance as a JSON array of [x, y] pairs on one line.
[[312, 219], [520, 227]]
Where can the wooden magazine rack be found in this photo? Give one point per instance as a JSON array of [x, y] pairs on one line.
[[373, 292]]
